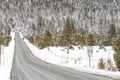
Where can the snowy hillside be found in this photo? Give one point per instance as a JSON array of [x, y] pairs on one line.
[[93, 15]]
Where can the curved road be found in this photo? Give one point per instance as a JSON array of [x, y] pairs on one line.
[[27, 67]]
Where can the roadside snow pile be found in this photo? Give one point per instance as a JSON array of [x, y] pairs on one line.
[[113, 75], [6, 59], [76, 59]]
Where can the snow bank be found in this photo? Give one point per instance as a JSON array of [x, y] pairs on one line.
[[113, 75], [7, 58]]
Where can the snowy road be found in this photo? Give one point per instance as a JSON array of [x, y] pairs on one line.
[[28, 67]]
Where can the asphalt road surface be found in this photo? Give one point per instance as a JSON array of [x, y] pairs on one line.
[[27, 67]]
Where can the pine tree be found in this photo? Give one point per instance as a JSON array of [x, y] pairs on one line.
[[68, 32], [101, 64], [37, 40], [81, 39], [31, 39], [9, 30], [91, 41], [112, 31], [40, 24], [7, 39], [117, 60], [33, 27], [40, 21], [116, 47], [111, 34], [1, 40], [47, 40]]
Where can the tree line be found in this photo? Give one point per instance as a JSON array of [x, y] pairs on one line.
[[70, 35]]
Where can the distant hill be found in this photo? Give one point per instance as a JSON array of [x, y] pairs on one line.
[[93, 15]]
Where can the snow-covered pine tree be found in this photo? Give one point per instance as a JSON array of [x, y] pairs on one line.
[[116, 47], [68, 34], [47, 39]]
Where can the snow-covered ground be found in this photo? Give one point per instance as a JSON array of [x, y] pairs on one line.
[[6, 59], [77, 59]]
